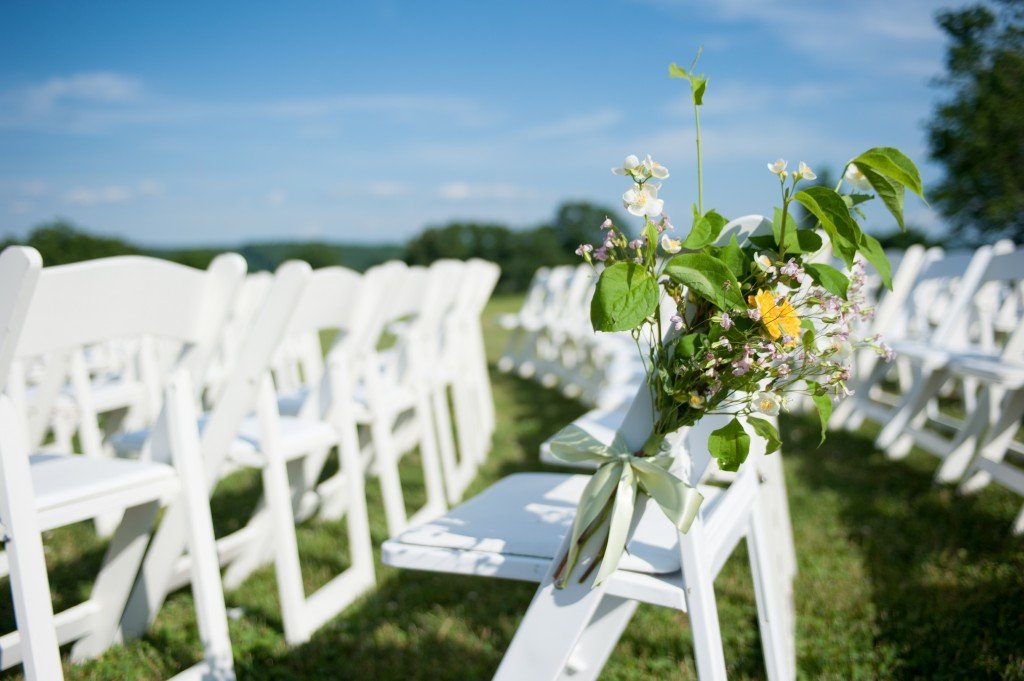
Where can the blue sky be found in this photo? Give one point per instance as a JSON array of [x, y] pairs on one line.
[[218, 123]]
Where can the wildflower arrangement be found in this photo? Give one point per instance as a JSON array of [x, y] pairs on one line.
[[755, 323]]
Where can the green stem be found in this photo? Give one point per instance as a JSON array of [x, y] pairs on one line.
[[700, 163], [782, 230]]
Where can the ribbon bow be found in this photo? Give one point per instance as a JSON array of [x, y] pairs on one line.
[[610, 496]]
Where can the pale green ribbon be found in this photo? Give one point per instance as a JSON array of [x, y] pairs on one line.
[[616, 481]]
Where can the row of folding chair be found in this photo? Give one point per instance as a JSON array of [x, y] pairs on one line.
[[517, 529], [956, 323], [220, 347], [551, 341]]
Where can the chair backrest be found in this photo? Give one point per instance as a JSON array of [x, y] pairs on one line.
[[131, 296], [935, 305], [743, 228], [19, 275], [240, 390]]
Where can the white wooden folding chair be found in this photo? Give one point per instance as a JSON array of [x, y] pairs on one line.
[[74, 306], [464, 329], [909, 423], [280, 446], [520, 325], [518, 527], [326, 420], [930, 322]]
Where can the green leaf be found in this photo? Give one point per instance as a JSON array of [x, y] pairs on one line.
[[687, 345], [890, 192], [829, 278], [763, 242], [706, 276], [705, 231], [808, 340], [823, 403], [894, 165], [828, 206], [698, 82], [730, 444], [852, 200], [651, 232], [797, 240], [872, 250], [767, 430], [624, 297], [732, 255]]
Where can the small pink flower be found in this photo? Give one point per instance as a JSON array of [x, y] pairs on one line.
[[742, 366], [726, 321], [601, 254], [584, 248], [754, 313], [636, 243], [676, 321], [607, 224]]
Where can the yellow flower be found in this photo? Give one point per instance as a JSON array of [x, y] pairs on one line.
[[780, 319]]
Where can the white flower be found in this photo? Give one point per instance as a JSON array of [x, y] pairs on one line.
[[643, 200], [670, 245], [655, 169], [804, 172], [764, 263], [856, 178], [631, 166], [767, 403], [778, 168]]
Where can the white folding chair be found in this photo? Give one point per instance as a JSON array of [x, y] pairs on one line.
[[518, 527], [73, 306], [909, 422]]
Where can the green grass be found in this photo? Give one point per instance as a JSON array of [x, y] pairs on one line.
[[898, 579]]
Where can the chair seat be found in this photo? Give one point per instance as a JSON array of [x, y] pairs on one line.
[[131, 442], [397, 398], [72, 487], [290, 404], [526, 516], [298, 436]]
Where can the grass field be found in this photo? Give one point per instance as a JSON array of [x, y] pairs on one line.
[[898, 579]]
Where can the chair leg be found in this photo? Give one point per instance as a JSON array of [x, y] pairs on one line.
[[772, 618], [207, 591], [702, 606], [996, 442], [286, 554], [446, 444], [547, 635], [963, 446], [909, 408], [30, 587], [599, 639], [386, 461], [113, 584]]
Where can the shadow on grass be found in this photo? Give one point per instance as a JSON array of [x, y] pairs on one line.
[[947, 578]]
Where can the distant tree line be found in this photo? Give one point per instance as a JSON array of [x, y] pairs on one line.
[[519, 252]]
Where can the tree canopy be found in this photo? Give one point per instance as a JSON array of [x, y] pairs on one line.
[[978, 132]]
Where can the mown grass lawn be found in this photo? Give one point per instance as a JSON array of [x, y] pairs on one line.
[[898, 579]]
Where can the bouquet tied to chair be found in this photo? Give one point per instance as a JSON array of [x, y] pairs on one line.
[[755, 323]]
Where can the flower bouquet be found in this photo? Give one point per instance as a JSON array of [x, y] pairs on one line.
[[724, 326]]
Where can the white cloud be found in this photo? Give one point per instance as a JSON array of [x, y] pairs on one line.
[[85, 196], [500, 191], [83, 87], [149, 187], [276, 197], [575, 125], [95, 102], [877, 35]]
